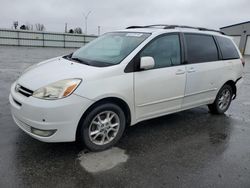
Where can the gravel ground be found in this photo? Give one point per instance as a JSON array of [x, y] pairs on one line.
[[186, 149]]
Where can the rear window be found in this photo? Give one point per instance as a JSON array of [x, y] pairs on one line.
[[201, 48], [227, 48]]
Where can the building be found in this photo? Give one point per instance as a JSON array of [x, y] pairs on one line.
[[241, 35]]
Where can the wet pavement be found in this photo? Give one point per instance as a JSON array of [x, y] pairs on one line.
[[187, 149]]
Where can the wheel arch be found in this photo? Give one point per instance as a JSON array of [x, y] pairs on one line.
[[115, 100]]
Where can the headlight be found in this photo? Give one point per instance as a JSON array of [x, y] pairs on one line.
[[57, 90]]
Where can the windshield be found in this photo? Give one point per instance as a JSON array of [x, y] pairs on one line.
[[109, 49]]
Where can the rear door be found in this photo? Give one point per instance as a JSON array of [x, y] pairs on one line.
[[203, 69], [160, 90]]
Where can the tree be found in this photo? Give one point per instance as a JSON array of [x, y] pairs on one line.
[[71, 31], [23, 27], [78, 30], [40, 27], [29, 26], [26, 26], [15, 24]]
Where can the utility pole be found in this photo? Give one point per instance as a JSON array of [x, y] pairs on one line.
[[99, 30], [86, 21], [66, 28]]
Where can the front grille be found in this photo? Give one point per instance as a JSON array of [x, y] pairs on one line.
[[23, 90]]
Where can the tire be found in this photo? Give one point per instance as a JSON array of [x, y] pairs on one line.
[[100, 123], [221, 105]]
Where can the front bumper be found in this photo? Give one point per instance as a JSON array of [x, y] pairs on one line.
[[62, 115]]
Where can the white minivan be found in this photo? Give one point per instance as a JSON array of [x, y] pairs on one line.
[[125, 77]]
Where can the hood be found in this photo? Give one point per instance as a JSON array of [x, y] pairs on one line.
[[53, 70]]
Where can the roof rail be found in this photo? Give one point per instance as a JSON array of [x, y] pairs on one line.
[[135, 26], [165, 26], [147, 26]]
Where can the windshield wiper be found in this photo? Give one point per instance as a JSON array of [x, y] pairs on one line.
[[89, 62], [79, 60], [68, 56]]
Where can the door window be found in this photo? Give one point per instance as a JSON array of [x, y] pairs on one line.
[[200, 48], [165, 50]]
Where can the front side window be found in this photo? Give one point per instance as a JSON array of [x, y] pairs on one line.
[[165, 50], [227, 47], [109, 49], [200, 48]]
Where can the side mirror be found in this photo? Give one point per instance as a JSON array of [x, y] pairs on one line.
[[147, 62]]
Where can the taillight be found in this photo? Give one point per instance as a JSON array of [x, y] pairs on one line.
[[243, 62]]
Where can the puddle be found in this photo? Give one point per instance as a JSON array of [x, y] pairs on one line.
[[102, 161], [217, 138]]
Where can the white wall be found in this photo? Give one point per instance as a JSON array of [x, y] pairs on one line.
[[236, 39], [247, 49]]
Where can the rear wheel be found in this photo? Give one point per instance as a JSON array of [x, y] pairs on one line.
[[222, 101], [102, 127]]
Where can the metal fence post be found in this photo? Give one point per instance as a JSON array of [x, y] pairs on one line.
[[18, 38], [43, 40], [64, 38]]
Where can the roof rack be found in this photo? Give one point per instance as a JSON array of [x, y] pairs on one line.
[[164, 26]]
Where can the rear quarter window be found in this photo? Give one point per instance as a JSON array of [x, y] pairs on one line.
[[228, 49]]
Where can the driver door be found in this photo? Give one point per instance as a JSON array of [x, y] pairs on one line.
[[160, 90]]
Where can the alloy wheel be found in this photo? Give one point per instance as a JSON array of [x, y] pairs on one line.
[[104, 127]]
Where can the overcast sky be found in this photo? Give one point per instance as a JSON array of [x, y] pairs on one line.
[[114, 14]]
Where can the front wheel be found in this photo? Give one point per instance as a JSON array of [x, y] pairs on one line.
[[102, 127], [222, 101]]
